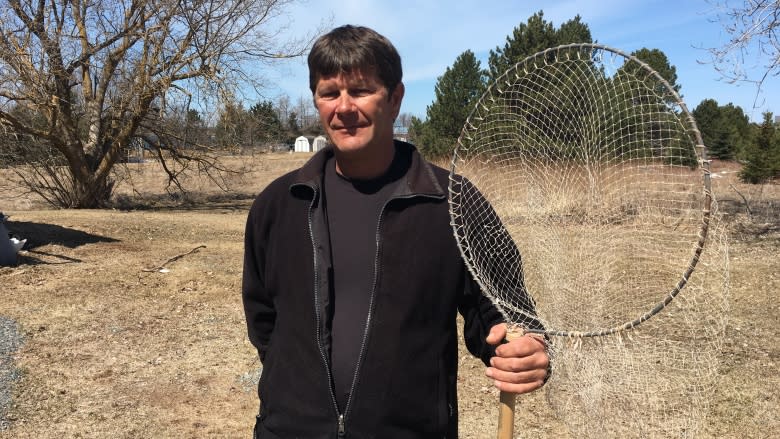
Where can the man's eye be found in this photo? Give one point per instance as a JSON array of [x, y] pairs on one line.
[[361, 92]]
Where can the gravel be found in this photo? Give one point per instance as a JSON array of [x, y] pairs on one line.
[[249, 380], [10, 340]]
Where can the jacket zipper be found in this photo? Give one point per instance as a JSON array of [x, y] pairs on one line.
[[378, 239], [340, 417], [368, 319]]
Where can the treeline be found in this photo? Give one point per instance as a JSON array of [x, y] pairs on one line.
[[726, 130], [729, 135], [265, 126], [461, 85]]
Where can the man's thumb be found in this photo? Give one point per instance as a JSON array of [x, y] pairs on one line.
[[497, 334]]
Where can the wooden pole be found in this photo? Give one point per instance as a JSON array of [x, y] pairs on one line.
[[506, 406], [506, 415]]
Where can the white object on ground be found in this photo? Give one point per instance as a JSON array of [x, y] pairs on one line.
[[18, 244]]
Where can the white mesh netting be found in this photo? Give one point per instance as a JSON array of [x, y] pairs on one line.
[[586, 161]]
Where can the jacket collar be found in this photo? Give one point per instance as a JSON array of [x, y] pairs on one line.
[[419, 179]]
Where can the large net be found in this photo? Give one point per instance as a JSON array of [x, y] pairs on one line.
[[584, 162]]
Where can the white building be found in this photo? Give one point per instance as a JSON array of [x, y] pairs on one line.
[[302, 144], [319, 143]]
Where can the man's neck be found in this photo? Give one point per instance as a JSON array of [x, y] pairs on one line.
[[365, 165]]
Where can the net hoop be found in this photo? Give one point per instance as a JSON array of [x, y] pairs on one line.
[[478, 115]]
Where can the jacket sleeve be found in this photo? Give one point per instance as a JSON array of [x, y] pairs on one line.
[[492, 253], [479, 315], [258, 301]]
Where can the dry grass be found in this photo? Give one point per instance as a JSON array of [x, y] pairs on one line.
[[112, 350]]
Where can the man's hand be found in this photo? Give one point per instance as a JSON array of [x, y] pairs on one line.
[[519, 366]]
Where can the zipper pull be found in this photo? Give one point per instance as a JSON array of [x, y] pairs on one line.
[[342, 429]]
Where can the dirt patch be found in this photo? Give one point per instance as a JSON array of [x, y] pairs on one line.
[[112, 349]]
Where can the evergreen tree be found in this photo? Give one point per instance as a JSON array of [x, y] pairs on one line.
[[457, 90], [562, 93], [720, 147], [416, 131], [707, 115], [737, 126], [195, 131], [265, 125], [532, 37], [761, 161], [659, 62], [725, 130], [293, 127], [526, 39], [654, 137], [573, 31]]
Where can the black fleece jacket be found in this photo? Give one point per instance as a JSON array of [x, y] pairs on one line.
[[405, 384]]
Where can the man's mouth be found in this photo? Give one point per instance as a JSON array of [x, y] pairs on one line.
[[348, 128]]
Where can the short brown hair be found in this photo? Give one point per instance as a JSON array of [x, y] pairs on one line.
[[354, 48]]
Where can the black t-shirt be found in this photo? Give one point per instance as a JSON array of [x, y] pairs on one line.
[[353, 208]]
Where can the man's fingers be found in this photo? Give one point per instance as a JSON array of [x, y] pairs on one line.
[[516, 377], [521, 364], [518, 388], [524, 346]]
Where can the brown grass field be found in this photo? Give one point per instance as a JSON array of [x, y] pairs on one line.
[[115, 347]]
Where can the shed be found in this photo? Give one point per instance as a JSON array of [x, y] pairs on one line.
[[302, 144], [319, 143]]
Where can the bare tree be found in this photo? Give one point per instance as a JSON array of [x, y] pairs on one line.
[[91, 77], [283, 108], [753, 27], [307, 114], [404, 120]]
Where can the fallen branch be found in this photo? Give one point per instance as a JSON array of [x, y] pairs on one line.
[[175, 258], [747, 206]]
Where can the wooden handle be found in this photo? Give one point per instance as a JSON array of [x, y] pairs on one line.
[[506, 406], [506, 415]]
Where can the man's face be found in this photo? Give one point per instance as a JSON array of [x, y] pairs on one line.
[[356, 111]]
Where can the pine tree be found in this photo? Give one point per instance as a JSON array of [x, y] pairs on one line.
[[761, 158], [738, 130], [457, 90], [573, 31], [707, 115], [265, 125], [659, 62], [534, 36], [725, 130], [720, 146]]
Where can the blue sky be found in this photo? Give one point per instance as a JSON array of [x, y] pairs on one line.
[[430, 34]]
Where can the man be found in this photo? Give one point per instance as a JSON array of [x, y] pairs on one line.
[[352, 277]]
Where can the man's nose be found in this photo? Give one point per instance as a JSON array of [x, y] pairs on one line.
[[346, 103]]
